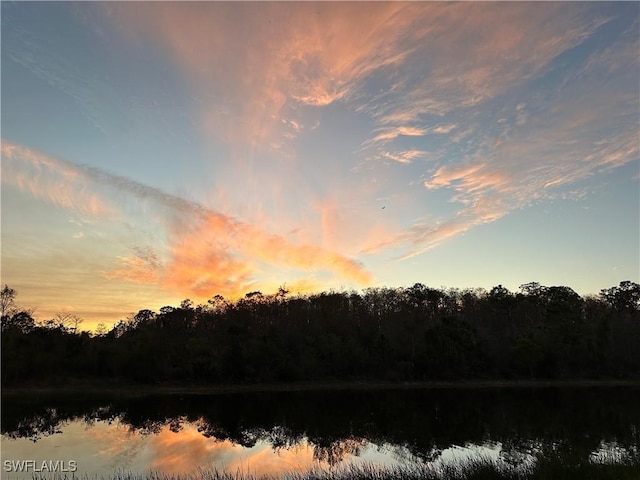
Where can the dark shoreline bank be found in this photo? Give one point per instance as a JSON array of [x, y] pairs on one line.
[[170, 389]]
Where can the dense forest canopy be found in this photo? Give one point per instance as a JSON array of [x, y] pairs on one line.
[[392, 334]]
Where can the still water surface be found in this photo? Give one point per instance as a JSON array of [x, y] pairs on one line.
[[278, 432]]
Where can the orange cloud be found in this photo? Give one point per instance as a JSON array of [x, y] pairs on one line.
[[253, 75], [202, 260], [442, 129], [208, 252], [489, 193], [423, 237], [472, 52], [257, 66], [271, 55], [399, 131], [214, 254], [54, 182], [405, 156], [142, 267], [276, 249], [555, 148], [469, 180]]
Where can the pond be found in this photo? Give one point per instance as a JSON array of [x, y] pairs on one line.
[[277, 432]]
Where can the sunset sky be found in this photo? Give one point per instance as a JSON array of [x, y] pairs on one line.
[[153, 152]]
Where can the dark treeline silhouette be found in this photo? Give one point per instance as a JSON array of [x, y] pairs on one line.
[[401, 334]]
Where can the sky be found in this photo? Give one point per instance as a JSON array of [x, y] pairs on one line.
[[158, 151]]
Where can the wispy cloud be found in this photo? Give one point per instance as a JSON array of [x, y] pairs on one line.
[[442, 129], [471, 180], [143, 266], [405, 156], [439, 64], [258, 70], [397, 132], [487, 107], [52, 181], [564, 147], [209, 252], [391, 133], [554, 137], [465, 54]]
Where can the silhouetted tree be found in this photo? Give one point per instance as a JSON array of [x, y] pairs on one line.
[[625, 297], [414, 333], [7, 299]]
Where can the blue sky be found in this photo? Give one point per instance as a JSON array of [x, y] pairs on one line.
[[153, 152]]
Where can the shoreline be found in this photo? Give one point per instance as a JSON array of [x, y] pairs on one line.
[[173, 389]]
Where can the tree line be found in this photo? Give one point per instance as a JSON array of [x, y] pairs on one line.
[[416, 333]]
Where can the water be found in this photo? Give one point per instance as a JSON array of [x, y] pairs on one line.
[[277, 432]]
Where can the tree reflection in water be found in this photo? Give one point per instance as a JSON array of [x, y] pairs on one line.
[[573, 424]]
